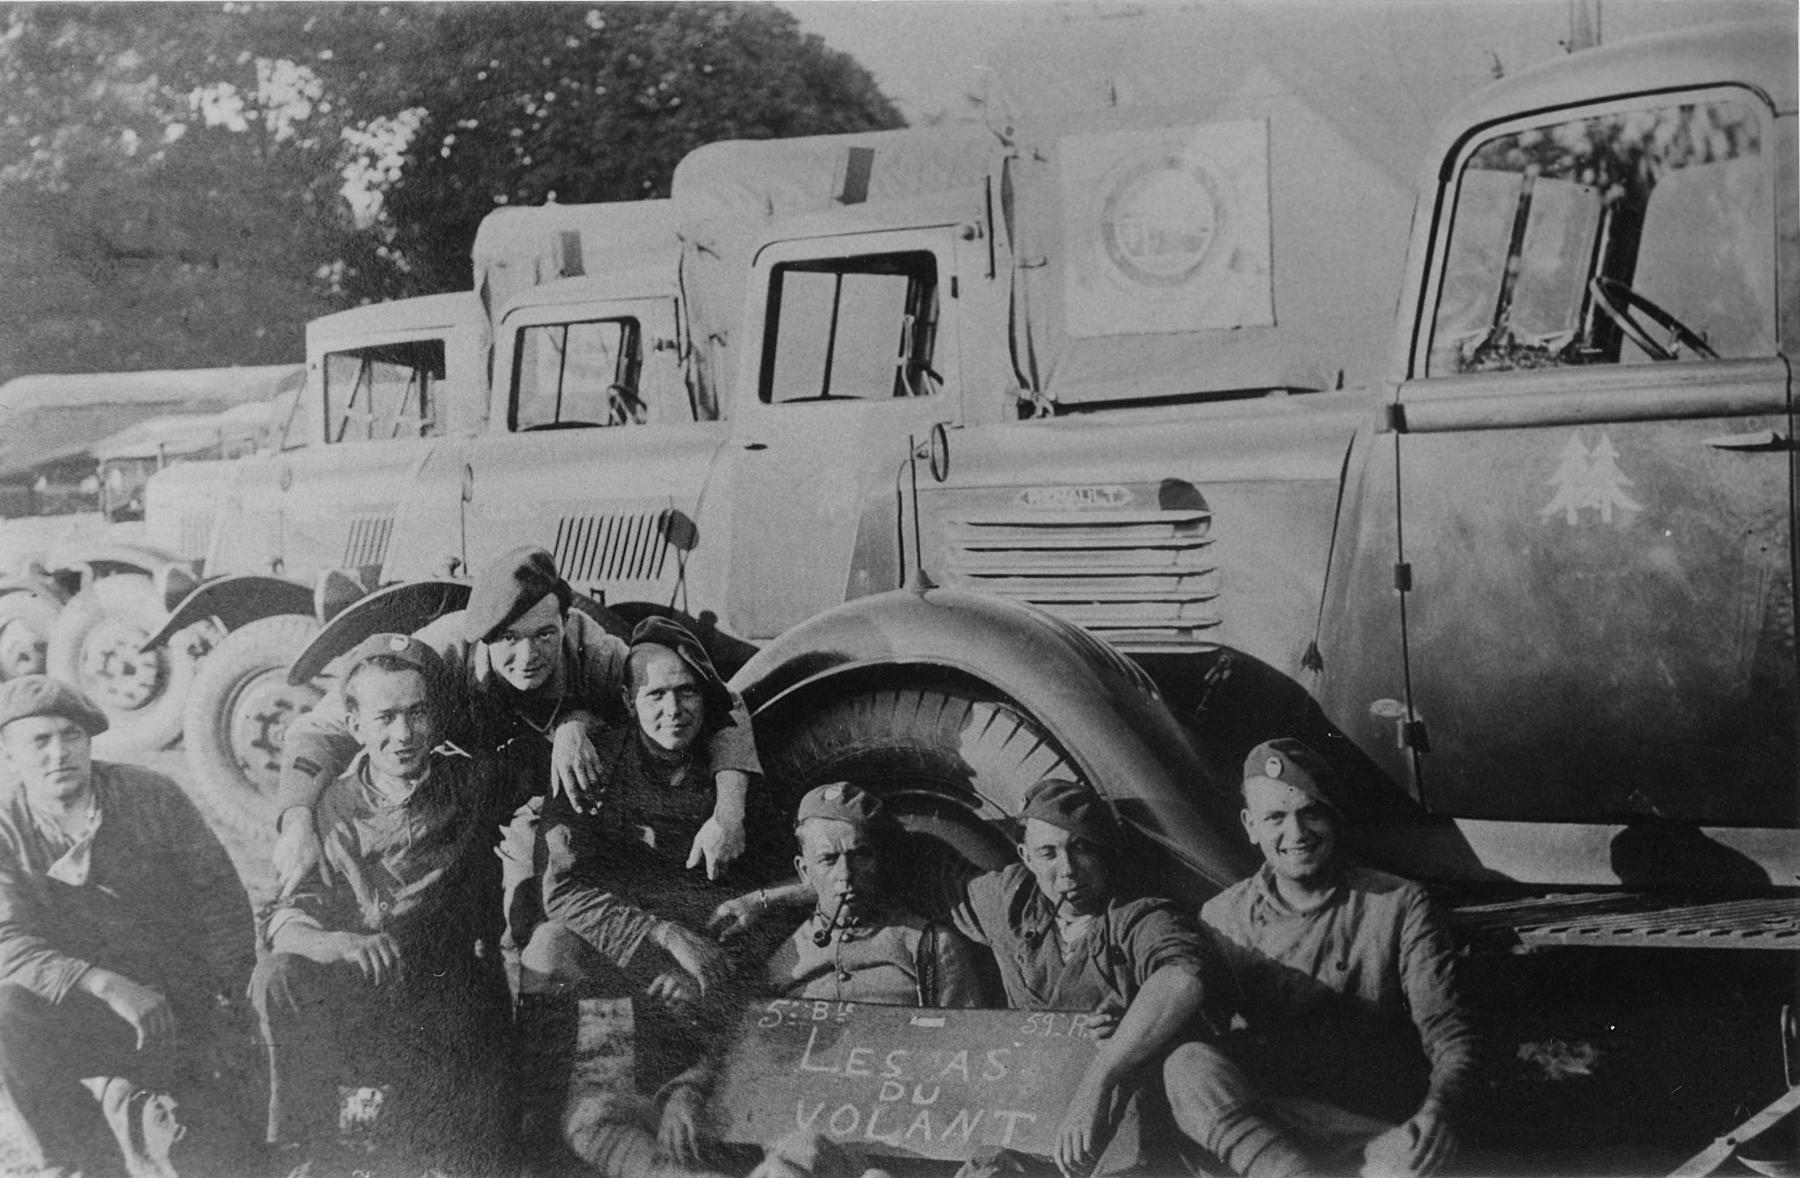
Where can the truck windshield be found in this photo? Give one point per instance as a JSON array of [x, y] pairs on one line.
[[862, 327], [576, 375], [1630, 236], [383, 392]]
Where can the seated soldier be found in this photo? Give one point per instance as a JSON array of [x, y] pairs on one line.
[[857, 946], [622, 913], [384, 963], [531, 684], [1356, 1048], [124, 936], [1066, 937]]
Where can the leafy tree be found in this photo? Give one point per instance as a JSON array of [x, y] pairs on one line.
[[584, 103], [186, 184]]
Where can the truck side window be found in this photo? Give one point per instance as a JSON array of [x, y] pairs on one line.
[[386, 391], [862, 327], [1627, 237], [577, 376]]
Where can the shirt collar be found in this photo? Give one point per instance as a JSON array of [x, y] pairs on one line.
[[1269, 896]]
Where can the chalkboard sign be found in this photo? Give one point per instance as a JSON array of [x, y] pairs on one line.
[[901, 1081]]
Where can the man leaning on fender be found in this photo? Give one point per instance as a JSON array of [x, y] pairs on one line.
[[1357, 1049], [124, 935]]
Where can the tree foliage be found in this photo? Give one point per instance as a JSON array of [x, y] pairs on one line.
[[186, 184]]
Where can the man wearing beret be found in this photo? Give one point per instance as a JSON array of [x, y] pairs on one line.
[[124, 933], [537, 683], [1066, 936], [623, 915], [383, 970], [1356, 1047]]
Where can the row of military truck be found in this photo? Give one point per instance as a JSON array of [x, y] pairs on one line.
[[1158, 414]]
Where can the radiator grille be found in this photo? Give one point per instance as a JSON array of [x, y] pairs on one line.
[[196, 536], [605, 549], [1143, 580], [368, 540]]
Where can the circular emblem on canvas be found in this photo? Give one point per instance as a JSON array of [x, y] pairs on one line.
[[1160, 220], [398, 643], [1272, 766], [834, 793]]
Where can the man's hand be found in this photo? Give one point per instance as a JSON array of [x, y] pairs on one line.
[[148, 1012], [575, 766], [377, 955], [1079, 1137], [1423, 1145], [719, 843], [704, 960], [678, 1136], [296, 849], [1104, 1021], [735, 917], [675, 989]]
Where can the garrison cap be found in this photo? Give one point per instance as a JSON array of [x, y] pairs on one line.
[[505, 589], [1287, 761], [840, 801], [402, 648], [672, 635], [40, 695], [1074, 807]]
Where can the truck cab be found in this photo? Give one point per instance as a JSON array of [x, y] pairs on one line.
[[1560, 607]]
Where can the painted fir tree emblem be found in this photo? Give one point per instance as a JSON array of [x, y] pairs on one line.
[[1586, 479]]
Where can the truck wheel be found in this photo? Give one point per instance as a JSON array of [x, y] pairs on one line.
[[946, 757], [94, 645], [25, 624], [238, 713]]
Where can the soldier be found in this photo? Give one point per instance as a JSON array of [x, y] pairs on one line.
[[623, 916], [1356, 1046], [124, 936], [383, 963], [1067, 937], [536, 683]]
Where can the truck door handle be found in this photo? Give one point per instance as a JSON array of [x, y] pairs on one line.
[[756, 445], [1759, 439]]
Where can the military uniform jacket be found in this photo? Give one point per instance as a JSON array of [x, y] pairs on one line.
[[895, 958]]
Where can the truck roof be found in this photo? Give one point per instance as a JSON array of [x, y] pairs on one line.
[[519, 247], [649, 277], [416, 314], [1759, 53], [47, 419]]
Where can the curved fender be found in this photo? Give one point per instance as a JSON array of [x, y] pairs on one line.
[[1104, 712], [34, 580], [173, 575], [235, 600], [399, 609]]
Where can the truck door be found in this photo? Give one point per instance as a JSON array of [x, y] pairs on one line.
[[597, 453], [857, 353], [1594, 473]]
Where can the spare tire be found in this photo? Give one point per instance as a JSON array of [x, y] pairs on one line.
[[25, 624], [238, 714], [94, 645]]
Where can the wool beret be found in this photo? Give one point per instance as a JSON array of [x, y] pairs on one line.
[[1073, 807], [40, 695], [1287, 761], [400, 647], [512, 584], [672, 635], [842, 802]]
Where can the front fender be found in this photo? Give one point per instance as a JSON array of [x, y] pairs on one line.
[[235, 600], [1104, 712], [173, 575], [398, 609], [37, 581]]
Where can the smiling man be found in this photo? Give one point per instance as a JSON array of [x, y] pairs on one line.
[[1356, 1049], [383, 968]]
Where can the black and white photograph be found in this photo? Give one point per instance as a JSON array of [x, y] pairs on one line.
[[899, 589]]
